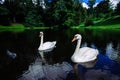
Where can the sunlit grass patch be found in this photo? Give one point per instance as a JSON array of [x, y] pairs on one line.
[[41, 28], [115, 26], [19, 27], [13, 27]]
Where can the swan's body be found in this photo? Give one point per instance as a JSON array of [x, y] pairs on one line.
[[84, 54], [46, 46]]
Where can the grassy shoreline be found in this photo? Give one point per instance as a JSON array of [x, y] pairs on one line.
[[105, 27], [115, 26], [20, 27]]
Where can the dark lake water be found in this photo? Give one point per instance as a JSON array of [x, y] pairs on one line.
[[25, 45]]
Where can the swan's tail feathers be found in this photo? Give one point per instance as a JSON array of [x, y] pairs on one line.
[[54, 42], [97, 52]]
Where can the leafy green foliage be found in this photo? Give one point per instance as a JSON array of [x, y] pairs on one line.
[[103, 9], [88, 22], [57, 13], [109, 21], [4, 12], [33, 20], [117, 10]]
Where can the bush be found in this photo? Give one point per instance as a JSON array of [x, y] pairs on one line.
[[88, 22], [33, 20]]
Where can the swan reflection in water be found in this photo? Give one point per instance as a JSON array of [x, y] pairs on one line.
[[37, 71], [42, 57], [58, 71]]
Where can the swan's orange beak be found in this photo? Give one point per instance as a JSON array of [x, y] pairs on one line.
[[74, 39]]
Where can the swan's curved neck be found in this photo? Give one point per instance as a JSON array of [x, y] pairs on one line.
[[41, 42], [78, 45]]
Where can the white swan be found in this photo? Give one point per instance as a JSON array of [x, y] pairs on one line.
[[46, 46], [85, 54]]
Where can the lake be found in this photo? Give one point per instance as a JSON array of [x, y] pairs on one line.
[[25, 45]]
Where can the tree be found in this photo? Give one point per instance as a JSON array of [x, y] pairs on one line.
[[79, 13], [33, 14], [117, 9], [103, 9], [16, 10], [64, 13], [91, 3], [4, 12], [90, 13], [12, 6], [56, 14]]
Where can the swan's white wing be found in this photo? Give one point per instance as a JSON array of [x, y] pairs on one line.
[[86, 54], [48, 45]]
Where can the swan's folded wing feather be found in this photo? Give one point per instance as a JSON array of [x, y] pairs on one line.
[[48, 45], [86, 54]]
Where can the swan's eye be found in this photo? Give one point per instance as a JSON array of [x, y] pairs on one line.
[[41, 33], [75, 36]]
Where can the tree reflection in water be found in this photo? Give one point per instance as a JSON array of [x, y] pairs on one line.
[[113, 53]]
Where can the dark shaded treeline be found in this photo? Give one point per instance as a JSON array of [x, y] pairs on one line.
[[55, 13]]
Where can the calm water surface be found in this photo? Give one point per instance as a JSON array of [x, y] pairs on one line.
[[25, 44]]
